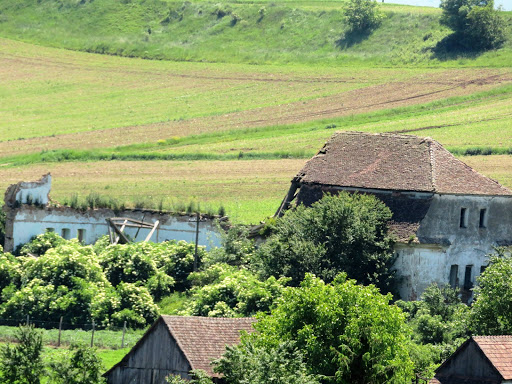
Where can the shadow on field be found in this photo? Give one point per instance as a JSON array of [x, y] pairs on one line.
[[453, 47], [351, 38]]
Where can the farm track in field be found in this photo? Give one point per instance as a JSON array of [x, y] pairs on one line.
[[372, 97]]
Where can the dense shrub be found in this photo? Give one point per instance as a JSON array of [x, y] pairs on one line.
[[226, 291], [258, 365], [491, 312], [22, 363], [83, 367], [136, 306], [362, 15], [347, 333], [346, 232], [40, 244], [476, 24]]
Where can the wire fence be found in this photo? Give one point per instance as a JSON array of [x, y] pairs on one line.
[[64, 334]]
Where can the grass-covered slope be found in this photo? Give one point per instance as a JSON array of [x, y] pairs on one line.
[[249, 32], [243, 94]]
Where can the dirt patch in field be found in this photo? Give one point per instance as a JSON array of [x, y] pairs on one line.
[[418, 90]]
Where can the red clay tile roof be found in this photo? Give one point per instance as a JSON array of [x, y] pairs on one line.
[[394, 162], [498, 349], [203, 339]]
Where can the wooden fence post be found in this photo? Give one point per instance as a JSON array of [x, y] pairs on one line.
[[92, 336], [196, 257], [60, 330], [28, 320], [124, 331]]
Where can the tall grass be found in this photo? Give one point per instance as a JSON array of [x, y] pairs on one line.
[[240, 32]]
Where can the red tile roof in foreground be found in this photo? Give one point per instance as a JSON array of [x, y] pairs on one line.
[[203, 339], [394, 162], [498, 349]]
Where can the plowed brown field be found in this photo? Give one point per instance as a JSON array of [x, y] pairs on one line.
[[60, 99]]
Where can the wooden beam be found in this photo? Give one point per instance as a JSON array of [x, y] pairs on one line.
[[152, 231]]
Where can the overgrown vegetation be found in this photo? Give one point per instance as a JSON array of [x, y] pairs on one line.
[[109, 284], [339, 333], [22, 363], [476, 24], [345, 232]]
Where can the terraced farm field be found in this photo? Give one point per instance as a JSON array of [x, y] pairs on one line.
[[233, 135]]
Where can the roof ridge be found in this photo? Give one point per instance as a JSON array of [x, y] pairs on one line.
[[385, 134], [431, 163], [208, 318]]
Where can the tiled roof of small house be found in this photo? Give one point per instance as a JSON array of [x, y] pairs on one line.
[[203, 339], [498, 349], [200, 339], [394, 162]]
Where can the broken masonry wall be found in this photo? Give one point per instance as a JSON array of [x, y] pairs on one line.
[[29, 192], [28, 214], [29, 221]]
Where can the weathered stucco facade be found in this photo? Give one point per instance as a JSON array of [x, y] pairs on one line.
[[446, 217], [28, 214]]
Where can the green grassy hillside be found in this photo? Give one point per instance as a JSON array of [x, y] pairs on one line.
[[247, 92], [236, 32]]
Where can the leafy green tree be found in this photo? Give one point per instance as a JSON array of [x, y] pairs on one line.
[[440, 323], [477, 25], [492, 308], [345, 232], [347, 333], [22, 363], [41, 243], [136, 306], [250, 363], [83, 367], [223, 290], [362, 15]]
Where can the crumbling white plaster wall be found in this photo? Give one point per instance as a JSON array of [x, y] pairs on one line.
[[31, 221], [443, 242]]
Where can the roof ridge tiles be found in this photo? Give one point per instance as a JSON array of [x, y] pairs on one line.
[[397, 162]]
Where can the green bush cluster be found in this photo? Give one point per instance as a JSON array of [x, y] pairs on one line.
[[22, 363], [109, 284], [476, 24], [440, 323], [337, 333], [226, 291]]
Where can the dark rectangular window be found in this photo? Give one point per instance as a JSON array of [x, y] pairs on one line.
[[468, 284], [454, 271], [81, 234], [65, 233], [482, 268], [483, 218], [463, 218]]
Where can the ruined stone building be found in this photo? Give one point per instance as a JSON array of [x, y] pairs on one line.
[[446, 216], [29, 212]]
